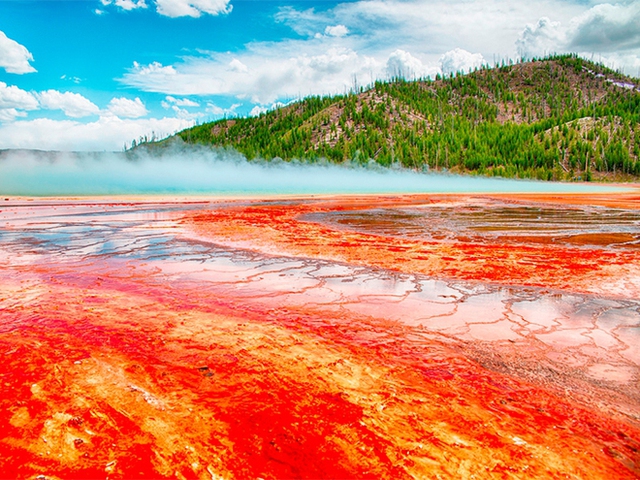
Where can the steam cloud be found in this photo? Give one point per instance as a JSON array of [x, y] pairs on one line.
[[224, 172]]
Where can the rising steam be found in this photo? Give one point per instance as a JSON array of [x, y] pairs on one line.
[[224, 172]]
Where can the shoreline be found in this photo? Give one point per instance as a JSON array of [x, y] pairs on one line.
[[623, 189]]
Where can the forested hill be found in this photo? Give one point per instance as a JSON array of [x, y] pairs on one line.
[[561, 118]]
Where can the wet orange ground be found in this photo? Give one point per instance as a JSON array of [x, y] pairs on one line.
[[310, 338], [535, 259]]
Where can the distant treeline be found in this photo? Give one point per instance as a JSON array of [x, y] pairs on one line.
[[560, 118]]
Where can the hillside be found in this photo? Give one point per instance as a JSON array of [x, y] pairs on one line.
[[561, 118]]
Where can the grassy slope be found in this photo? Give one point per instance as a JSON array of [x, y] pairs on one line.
[[560, 118]]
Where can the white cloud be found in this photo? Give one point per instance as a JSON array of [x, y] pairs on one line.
[[458, 60], [237, 66], [404, 65], [429, 27], [606, 28], [180, 102], [541, 39], [14, 102], [257, 110], [179, 107], [14, 58], [124, 4], [10, 114], [192, 8], [610, 31], [174, 8], [273, 72], [14, 97], [125, 108], [336, 31], [154, 68], [304, 22], [217, 111], [184, 113], [75, 80], [130, 4], [496, 29], [107, 133], [72, 104], [154, 76]]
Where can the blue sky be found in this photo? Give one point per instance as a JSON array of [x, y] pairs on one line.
[[95, 74]]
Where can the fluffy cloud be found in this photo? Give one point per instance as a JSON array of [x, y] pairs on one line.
[[14, 102], [610, 30], [154, 76], [107, 133], [458, 60], [219, 112], [429, 27], [125, 4], [179, 107], [183, 113], [404, 65], [72, 104], [541, 39], [10, 114], [154, 68], [259, 109], [236, 65], [606, 28], [14, 97], [192, 8], [180, 102], [14, 58], [336, 31], [304, 22], [271, 74], [125, 108], [174, 8]]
